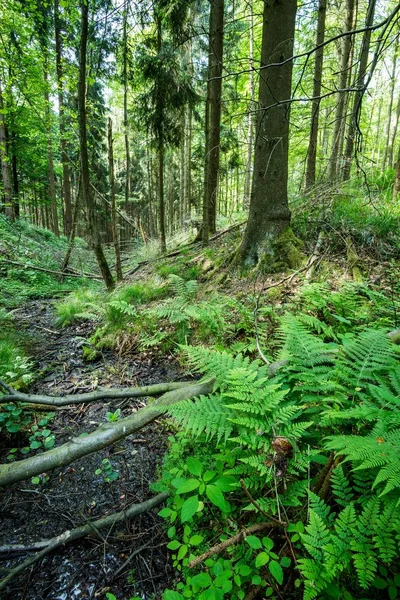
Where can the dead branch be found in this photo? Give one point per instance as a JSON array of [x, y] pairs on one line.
[[58, 273], [100, 438], [232, 541], [75, 534], [315, 258], [139, 392]]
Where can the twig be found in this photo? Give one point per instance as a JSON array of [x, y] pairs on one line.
[[70, 536], [258, 507], [130, 558], [232, 541]]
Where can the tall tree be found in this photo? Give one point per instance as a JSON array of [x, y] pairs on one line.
[[62, 122], [319, 59], [359, 94], [250, 131], [126, 124], [213, 117], [114, 223], [387, 161], [269, 215], [86, 189], [5, 163]]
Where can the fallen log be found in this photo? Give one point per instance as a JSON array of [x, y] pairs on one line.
[[136, 392], [79, 532], [50, 271], [100, 438]]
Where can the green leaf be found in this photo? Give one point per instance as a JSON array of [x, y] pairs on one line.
[[174, 545], [208, 475], [226, 483], [165, 512], [194, 466], [201, 580], [170, 595], [189, 508], [188, 486], [276, 571], [285, 561], [267, 543], [215, 496], [35, 445], [35, 480], [182, 552], [262, 559], [195, 540], [256, 580], [253, 542]]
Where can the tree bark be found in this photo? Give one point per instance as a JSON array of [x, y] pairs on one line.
[[250, 132], [358, 96], [396, 187], [8, 205], [213, 118], [52, 181], [85, 176], [114, 223], [319, 59], [62, 124], [394, 134], [344, 74], [269, 214], [161, 162]]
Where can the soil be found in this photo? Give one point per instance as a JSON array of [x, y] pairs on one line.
[[86, 570]]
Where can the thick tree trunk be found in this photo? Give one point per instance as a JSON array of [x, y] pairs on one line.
[[62, 124], [269, 214], [52, 181], [114, 223], [344, 78], [319, 59], [213, 117], [358, 96], [250, 132], [8, 205], [85, 177]]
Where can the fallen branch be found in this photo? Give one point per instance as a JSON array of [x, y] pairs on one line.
[[232, 541], [75, 534], [139, 392], [50, 271], [100, 438]]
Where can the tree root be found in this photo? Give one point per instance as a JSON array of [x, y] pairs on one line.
[[100, 438], [139, 392], [71, 535]]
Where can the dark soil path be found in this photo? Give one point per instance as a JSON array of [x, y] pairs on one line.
[[86, 570]]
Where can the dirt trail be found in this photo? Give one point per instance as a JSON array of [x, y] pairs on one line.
[[28, 513]]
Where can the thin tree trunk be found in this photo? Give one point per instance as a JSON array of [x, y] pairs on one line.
[[319, 58], [269, 215], [213, 116], [126, 130], [396, 187], [358, 96], [386, 156], [85, 176], [345, 69], [52, 181], [62, 123], [250, 131], [394, 133], [114, 223], [161, 160], [8, 205]]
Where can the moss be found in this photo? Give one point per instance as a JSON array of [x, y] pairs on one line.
[[284, 252]]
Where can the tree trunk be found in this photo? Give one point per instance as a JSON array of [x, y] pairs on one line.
[[387, 152], [250, 132], [269, 214], [394, 133], [52, 181], [8, 205], [85, 177], [62, 124], [161, 159], [345, 68], [114, 224], [319, 58], [213, 117], [126, 134], [396, 188], [358, 96]]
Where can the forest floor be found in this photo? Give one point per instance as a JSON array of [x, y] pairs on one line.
[[74, 494]]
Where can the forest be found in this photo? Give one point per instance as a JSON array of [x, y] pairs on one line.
[[200, 299]]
